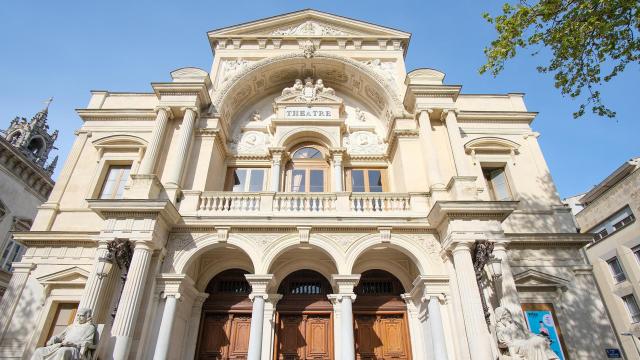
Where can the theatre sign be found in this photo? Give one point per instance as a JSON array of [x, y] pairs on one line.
[[311, 112]]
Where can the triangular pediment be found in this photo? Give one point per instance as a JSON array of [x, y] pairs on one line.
[[74, 275], [535, 278], [308, 23]]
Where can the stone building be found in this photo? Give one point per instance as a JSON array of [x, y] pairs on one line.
[[609, 214], [306, 198], [25, 182]]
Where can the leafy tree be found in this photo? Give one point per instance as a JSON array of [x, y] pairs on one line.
[[591, 42]]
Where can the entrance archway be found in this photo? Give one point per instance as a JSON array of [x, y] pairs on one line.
[[380, 315], [226, 317], [304, 318]]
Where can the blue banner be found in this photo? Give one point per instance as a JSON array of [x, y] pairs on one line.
[[541, 322]]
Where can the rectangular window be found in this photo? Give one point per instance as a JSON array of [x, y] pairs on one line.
[[298, 180], [64, 316], [114, 182], [316, 180], [616, 270], [497, 183], [12, 252], [366, 180], [613, 223], [245, 180], [636, 252], [632, 307]]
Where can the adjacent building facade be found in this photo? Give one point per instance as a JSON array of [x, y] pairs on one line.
[[306, 198], [609, 213], [25, 183]]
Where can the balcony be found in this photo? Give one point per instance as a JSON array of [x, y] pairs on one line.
[[287, 204]]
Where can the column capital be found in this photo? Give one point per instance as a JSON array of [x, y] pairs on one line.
[[461, 246], [446, 111], [166, 109], [259, 284], [195, 109], [345, 283], [337, 298], [20, 267], [174, 285]]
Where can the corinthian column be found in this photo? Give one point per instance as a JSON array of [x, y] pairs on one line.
[[182, 150], [95, 284], [129, 305], [259, 284], [429, 149], [166, 326], [276, 168], [337, 171], [455, 140], [151, 155], [13, 293], [346, 297], [475, 325]]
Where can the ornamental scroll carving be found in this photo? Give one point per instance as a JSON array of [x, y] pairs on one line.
[[310, 28], [308, 91], [364, 143]]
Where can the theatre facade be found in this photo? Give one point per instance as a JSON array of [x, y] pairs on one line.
[[308, 198]]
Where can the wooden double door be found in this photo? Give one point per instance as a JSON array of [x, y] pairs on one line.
[[225, 323], [225, 336], [304, 336], [381, 336]]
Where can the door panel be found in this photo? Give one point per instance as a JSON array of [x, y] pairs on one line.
[[381, 336], [302, 336], [225, 336]]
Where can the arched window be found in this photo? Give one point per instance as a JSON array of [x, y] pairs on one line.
[[307, 170], [35, 146]]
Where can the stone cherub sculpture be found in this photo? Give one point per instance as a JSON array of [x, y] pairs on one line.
[[522, 343], [296, 88], [71, 344]]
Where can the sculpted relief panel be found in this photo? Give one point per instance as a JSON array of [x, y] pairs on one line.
[[364, 143]]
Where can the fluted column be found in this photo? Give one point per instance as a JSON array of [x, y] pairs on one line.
[[457, 147], [129, 305], [475, 325], [166, 326], [346, 297], [506, 283], [276, 168], [96, 282], [429, 149], [182, 149], [259, 285], [13, 293], [337, 172], [157, 135], [194, 325], [437, 329]]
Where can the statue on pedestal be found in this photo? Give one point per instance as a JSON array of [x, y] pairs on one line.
[[522, 344], [71, 344]]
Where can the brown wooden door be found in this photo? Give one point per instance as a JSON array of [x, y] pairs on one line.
[[381, 336], [225, 336], [302, 336]]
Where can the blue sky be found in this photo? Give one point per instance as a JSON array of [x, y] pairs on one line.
[[65, 49]]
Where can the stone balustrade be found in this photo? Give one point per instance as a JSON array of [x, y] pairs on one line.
[[216, 203]]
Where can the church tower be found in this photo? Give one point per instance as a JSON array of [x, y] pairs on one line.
[[32, 138]]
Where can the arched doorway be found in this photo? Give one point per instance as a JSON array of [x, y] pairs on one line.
[[381, 324], [226, 317], [304, 318]]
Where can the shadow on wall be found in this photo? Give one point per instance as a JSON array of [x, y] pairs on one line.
[[584, 323]]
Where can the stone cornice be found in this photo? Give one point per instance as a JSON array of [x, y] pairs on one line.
[[117, 114], [34, 177], [199, 89], [56, 238], [485, 210], [572, 240], [134, 208], [497, 116]]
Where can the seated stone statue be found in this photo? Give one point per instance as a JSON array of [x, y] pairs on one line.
[[72, 343], [520, 341]]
